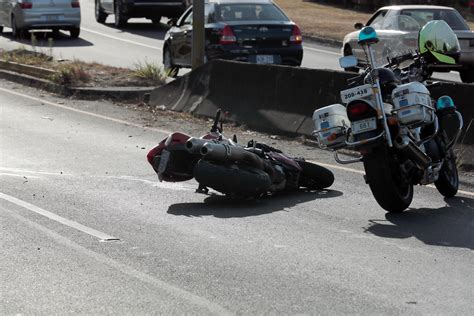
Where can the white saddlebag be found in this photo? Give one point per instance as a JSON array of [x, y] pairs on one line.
[[412, 104], [330, 123]]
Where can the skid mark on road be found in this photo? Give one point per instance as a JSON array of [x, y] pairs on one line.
[[169, 132], [90, 231], [14, 172], [125, 269]]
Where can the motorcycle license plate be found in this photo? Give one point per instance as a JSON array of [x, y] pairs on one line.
[[356, 93], [164, 158], [364, 125]]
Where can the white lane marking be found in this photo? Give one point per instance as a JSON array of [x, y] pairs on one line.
[[323, 51], [120, 39], [18, 171], [168, 132], [128, 270], [90, 231], [85, 112]]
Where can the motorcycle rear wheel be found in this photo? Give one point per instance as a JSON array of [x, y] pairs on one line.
[[231, 180], [384, 181], [448, 180], [314, 177]]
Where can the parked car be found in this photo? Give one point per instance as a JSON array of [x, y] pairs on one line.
[[150, 9], [24, 15], [398, 26], [256, 31]]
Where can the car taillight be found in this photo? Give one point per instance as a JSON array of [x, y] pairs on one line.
[[296, 37], [227, 36], [359, 109], [26, 4], [75, 4]]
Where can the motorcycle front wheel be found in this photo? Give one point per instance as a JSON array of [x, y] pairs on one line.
[[232, 180], [391, 191], [448, 180], [314, 177]]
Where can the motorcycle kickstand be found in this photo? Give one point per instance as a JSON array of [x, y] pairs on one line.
[[202, 189]]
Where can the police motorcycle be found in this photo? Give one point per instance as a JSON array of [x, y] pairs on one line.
[[404, 137]]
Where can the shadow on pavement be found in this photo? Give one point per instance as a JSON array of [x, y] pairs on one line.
[[42, 39], [222, 207], [449, 226], [143, 29]]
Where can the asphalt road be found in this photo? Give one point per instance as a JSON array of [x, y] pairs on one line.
[[87, 228], [139, 42]]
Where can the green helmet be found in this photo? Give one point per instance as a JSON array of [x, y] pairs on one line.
[[437, 38]]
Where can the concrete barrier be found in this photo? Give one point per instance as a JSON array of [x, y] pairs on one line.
[[276, 99]]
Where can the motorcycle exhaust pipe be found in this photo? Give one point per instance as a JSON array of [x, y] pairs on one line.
[[223, 152], [412, 151], [193, 145]]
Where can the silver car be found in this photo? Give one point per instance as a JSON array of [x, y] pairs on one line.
[[398, 26], [24, 15]]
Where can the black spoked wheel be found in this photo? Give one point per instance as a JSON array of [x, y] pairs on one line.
[[448, 180], [392, 191], [120, 18], [100, 15], [231, 180], [314, 177], [170, 69]]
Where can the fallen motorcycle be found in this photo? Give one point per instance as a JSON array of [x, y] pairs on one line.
[[404, 137], [234, 170]]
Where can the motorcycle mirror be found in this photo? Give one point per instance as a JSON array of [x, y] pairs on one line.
[[368, 36], [348, 61]]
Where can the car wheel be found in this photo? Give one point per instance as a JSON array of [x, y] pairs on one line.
[[170, 69], [120, 18], [100, 15], [74, 32], [467, 75], [156, 20], [17, 32], [348, 52]]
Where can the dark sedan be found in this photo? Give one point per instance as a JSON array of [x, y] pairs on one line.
[[398, 26], [255, 31]]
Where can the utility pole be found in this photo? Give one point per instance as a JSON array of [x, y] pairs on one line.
[[198, 33]]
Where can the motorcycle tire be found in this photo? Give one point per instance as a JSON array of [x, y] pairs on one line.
[[391, 193], [231, 180], [314, 177], [448, 180]]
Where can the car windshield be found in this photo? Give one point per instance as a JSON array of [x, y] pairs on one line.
[[249, 12], [413, 20]]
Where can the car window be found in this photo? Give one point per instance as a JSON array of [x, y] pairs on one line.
[[423, 16], [249, 12], [377, 21], [188, 18]]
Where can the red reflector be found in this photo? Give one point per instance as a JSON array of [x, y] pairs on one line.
[[75, 4], [227, 36], [356, 109], [26, 5], [296, 37]]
